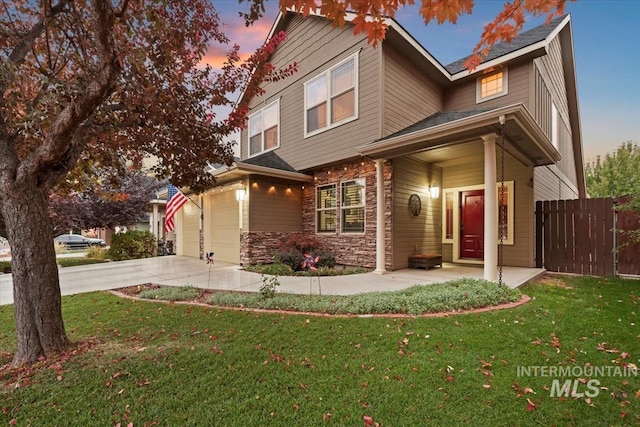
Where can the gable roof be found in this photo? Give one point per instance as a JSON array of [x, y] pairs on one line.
[[270, 160], [523, 40], [527, 42]]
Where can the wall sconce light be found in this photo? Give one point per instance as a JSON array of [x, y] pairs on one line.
[[240, 194], [434, 191]]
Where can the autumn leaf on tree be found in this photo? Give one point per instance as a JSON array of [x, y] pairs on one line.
[[371, 14]]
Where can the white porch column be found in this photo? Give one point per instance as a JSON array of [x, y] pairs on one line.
[[380, 223], [155, 219], [490, 209]]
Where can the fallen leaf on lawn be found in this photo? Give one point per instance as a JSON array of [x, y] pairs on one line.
[[303, 386], [530, 406], [624, 355], [326, 417], [296, 406], [638, 394], [487, 386], [485, 365], [528, 390], [450, 378]]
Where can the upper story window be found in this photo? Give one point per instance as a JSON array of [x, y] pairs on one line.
[[331, 98], [492, 86], [264, 129]]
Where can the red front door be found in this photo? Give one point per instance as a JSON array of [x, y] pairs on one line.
[[472, 224]]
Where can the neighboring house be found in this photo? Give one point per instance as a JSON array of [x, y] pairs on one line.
[[354, 147]]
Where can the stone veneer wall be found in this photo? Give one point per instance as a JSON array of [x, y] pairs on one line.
[[259, 247], [352, 249]]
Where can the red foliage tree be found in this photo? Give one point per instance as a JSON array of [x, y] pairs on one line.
[[87, 81]]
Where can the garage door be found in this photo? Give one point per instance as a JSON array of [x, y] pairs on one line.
[[189, 231], [222, 226]]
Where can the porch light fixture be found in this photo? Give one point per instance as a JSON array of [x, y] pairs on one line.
[[434, 191], [240, 194]]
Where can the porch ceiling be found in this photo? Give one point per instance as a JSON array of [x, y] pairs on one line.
[[448, 143]]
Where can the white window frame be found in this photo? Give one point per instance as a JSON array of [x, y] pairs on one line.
[[362, 182], [327, 209], [555, 127], [505, 86], [509, 185], [261, 111], [327, 75]]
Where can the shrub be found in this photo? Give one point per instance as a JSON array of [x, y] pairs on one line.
[[132, 245], [60, 248], [291, 251], [73, 262], [182, 293], [5, 266], [268, 287], [95, 252], [292, 258], [304, 243], [277, 269]]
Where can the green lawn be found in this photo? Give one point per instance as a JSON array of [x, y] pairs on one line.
[[169, 364]]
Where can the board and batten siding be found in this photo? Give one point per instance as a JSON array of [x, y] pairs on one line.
[[551, 184], [274, 207], [415, 234], [462, 96], [188, 229], [549, 88], [521, 253], [409, 95], [315, 45]]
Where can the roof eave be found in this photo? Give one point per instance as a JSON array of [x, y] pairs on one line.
[[516, 112], [536, 49], [249, 169]]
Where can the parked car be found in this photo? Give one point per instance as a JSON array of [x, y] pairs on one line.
[[75, 241]]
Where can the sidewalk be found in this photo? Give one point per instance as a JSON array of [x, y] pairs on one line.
[[181, 271]]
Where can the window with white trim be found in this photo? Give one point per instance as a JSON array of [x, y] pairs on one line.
[[492, 86], [326, 208], [352, 206], [331, 98], [264, 129], [555, 130]]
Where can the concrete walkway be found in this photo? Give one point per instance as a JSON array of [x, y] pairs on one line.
[[180, 271]]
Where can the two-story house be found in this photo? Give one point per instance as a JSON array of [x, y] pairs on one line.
[[383, 152]]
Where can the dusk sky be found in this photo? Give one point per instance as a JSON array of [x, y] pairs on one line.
[[607, 53]]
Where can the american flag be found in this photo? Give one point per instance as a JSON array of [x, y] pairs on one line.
[[175, 200]]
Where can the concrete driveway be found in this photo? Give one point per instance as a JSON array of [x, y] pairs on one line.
[[180, 271]]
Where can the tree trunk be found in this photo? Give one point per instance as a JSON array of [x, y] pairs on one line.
[[36, 287]]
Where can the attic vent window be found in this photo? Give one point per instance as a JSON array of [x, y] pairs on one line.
[[331, 98], [492, 86]]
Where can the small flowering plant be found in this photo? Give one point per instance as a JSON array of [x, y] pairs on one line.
[[310, 262]]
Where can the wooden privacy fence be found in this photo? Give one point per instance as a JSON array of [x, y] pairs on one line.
[[580, 236], [575, 236], [628, 252]]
